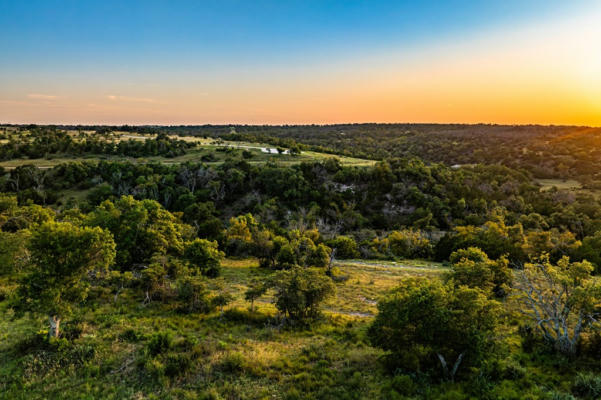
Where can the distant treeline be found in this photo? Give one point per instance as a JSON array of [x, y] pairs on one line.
[[41, 142], [546, 151]]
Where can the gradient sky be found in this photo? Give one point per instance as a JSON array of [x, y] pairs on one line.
[[196, 62]]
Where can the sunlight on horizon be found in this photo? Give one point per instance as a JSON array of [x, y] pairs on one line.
[[545, 72]]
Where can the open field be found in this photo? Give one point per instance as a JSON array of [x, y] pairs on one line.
[[237, 355], [210, 151], [561, 184], [363, 282]]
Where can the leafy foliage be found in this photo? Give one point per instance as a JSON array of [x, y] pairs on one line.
[[204, 256], [63, 255], [299, 292], [141, 229], [431, 327]]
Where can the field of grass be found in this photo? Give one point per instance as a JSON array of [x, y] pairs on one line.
[[561, 184], [237, 355], [217, 151], [362, 283]]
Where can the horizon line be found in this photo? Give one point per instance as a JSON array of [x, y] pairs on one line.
[[90, 124]]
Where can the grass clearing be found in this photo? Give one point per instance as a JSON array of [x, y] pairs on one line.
[[561, 184], [208, 151], [362, 283], [238, 355]]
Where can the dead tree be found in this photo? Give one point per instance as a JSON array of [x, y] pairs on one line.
[[561, 300]]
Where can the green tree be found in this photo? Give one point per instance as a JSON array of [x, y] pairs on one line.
[[471, 267], [239, 234], [62, 255], [429, 326], [205, 257], [591, 250], [193, 293], [255, 290], [222, 300], [14, 255], [345, 247], [406, 243], [320, 257], [299, 292], [141, 229]]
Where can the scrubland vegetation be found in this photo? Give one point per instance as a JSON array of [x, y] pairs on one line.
[[305, 275]]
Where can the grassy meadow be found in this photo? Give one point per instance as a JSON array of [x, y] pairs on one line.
[[237, 354], [116, 347], [209, 151]]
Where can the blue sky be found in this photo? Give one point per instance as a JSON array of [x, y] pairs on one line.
[[256, 31], [62, 47]]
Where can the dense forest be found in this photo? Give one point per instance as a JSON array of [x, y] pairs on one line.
[[444, 269], [545, 151]]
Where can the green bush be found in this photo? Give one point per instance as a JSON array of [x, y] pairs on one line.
[[407, 243], [560, 396], [587, 385], [159, 343], [193, 294], [232, 363], [177, 364], [435, 328], [345, 247], [403, 385], [130, 335], [204, 256], [300, 292]]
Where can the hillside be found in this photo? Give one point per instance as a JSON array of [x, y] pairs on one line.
[[136, 263]]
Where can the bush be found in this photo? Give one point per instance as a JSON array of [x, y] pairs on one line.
[[428, 326], [130, 335], [345, 247], [405, 244], [300, 292], [193, 294], [177, 364], [403, 385], [587, 385], [560, 396], [204, 256], [232, 363], [591, 346], [159, 343], [472, 267]]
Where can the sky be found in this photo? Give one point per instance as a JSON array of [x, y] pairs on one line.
[[296, 62]]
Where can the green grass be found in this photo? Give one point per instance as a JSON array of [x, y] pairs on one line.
[[205, 147], [240, 354], [561, 184]]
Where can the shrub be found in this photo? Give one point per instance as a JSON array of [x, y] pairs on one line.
[[472, 267], [345, 247], [428, 326], [130, 335], [159, 343], [232, 363], [300, 292], [405, 244], [560, 396], [193, 294], [404, 385], [204, 256], [177, 364], [587, 385]]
